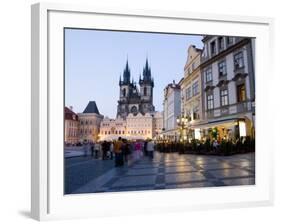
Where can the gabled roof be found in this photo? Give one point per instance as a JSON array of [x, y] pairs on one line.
[[69, 114], [91, 108]]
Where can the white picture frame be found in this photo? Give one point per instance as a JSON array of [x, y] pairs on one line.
[[48, 201]]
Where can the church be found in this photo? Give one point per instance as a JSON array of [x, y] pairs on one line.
[[133, 99]]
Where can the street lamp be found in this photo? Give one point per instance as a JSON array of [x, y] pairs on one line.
[[182, 124]]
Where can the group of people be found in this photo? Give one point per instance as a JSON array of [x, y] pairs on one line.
[[120, 150]]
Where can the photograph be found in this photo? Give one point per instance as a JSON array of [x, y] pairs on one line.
[[157, 111]]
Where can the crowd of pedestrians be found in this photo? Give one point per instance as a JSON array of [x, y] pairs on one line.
[[120, 150]]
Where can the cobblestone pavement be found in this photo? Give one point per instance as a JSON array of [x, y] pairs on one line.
[[165, 171]]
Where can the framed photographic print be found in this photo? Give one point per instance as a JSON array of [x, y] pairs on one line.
[[148, 108]]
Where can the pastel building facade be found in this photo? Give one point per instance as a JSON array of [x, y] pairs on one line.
[[71, 126], [228, 86], [133, 127], [172, 110], [90, 121], [191, 93]]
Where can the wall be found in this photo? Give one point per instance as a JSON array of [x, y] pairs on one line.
[[15, 99]]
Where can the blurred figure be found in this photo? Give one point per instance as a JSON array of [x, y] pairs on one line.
[[150, 149], [104, 149], [97, 149], [118, 152], [111, 149], [138, 148]]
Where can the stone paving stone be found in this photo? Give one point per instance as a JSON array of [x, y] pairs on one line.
[[142, 171], [205, 161], [240, 181], [244, 163], [190, 185], [135, 181], [177, 178], [229, 173], [165, 171], [180, 169], [143, 166], [175, 163], [215, 166]]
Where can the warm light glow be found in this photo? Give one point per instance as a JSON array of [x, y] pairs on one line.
[[197, 133], [242, 128]]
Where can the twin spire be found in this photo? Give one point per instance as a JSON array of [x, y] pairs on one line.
[[127, 74]]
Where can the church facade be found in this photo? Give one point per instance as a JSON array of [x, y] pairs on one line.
[[134, 99]]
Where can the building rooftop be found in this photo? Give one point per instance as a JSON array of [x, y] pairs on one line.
[[91, 108], [69, 114]]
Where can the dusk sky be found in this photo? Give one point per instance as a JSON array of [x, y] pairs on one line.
[[94, 61]]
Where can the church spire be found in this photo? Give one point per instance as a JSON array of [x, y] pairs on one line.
[[126, 74], [146, 72]]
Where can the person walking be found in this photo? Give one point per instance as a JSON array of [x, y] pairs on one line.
[[111, 149], [85, 149], [97, 149], [104, 149], [118, 152], [92, 149], [145, 148], [150, 149], [138, 149]]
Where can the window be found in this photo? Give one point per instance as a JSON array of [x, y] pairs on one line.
[[144, 91], [124, 92], [238, 60], [241, 93], [193, 66], [195, 88], [222, 68], [196, 113], [188, 93], [213, 47], [224, 97], [229, 40], [208, 75], [221, 45], [210, 102]]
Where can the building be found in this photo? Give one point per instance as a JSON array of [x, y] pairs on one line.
[[172, 110], [191, 94], [157, 125], [133, 99], [111, 129], [90, 121], [140, 126], [71, 126], [228, 86], [134, 127]]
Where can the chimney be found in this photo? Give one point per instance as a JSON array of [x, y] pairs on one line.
[[71, 108]]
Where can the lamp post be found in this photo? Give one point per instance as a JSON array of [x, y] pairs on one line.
[[182, 124]]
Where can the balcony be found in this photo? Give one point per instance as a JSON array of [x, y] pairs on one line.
[[237, 108]]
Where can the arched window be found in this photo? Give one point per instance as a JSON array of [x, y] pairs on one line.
[[144, 91], [124, 92]]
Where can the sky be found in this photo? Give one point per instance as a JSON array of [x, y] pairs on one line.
[[95, 59]]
